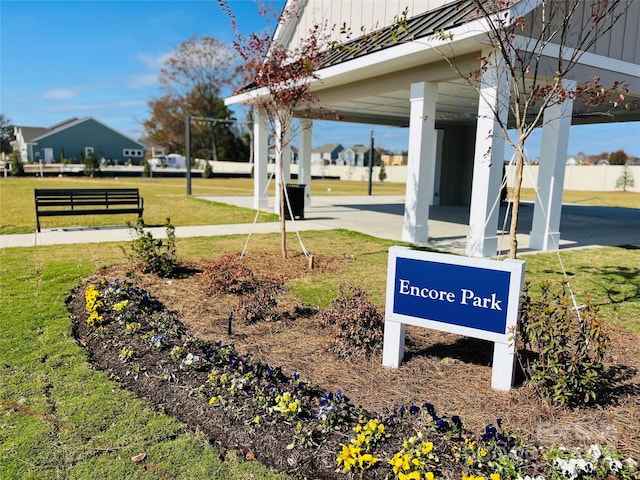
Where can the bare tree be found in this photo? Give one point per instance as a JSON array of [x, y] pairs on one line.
[[192, 80]]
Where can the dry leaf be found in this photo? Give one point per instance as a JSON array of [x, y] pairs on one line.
[[138, 458]]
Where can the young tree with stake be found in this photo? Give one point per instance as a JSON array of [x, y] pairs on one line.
[[280, 79]]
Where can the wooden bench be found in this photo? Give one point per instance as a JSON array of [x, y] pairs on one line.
[[87, 201]]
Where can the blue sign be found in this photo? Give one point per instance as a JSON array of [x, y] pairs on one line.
[[475, 297], [461, 295]]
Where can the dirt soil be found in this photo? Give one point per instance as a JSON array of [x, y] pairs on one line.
[[451, 372]]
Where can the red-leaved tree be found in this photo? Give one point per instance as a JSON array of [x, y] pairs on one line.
[[279, 77]]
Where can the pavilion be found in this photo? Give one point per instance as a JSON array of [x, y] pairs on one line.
[[456, 145]]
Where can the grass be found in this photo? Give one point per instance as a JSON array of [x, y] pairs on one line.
[[163, 197], [167, 198], [605, 199], [61, 419]]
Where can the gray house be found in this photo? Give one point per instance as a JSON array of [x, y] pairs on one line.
[[75, 139], [326, 154], [356, 156]]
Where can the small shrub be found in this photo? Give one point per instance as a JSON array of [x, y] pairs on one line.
[[261, 305], [154, 255], [16, 168], [91, 165], [227, 274], [207, 172], [382, 176], [360, 323], [568, 348], [146, 168]]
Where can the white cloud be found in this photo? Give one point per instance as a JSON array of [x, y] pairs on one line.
[[142, 80], [97, 106], [61, 93], [154, 62]]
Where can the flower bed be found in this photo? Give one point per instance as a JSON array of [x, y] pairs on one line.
[[279, 419]]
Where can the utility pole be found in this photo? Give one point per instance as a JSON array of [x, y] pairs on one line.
[[187, 152], [371, 157]]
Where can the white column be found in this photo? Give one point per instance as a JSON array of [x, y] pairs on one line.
[[545, 228], [421, 162], [283, 154], [304, 159], [482, 240], [260, 159]]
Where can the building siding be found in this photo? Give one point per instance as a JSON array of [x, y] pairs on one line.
[[75, 139]]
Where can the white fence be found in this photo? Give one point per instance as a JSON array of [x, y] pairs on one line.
[[580, 177], [596, 178]]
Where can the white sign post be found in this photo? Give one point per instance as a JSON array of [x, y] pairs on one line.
[[478, 298]]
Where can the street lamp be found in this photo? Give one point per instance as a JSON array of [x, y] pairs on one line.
[[371, 157]]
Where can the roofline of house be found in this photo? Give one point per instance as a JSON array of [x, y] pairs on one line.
[[65, 125]]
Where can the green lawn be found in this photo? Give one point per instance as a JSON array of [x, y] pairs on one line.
[[163, 198], [166, 198], [605, 199]]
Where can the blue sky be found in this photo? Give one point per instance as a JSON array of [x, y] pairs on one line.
[[64, 59]]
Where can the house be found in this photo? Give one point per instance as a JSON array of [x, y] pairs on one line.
[[290, 151], [356, 156], [75, 139], [396, 75], [394, 160], [326, 154]]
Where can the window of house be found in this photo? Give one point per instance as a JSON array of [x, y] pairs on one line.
[[132, 152]]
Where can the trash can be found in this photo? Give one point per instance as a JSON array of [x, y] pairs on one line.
[[295, 192]]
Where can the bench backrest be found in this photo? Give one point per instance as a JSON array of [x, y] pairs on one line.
[[86, 197]]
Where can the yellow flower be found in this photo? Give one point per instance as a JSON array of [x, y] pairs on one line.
[[429, 476], [293, 406], [409, 476], [483, 452], [121, 305], [212, 400], [494, 476], [427, 447], [367, 460]]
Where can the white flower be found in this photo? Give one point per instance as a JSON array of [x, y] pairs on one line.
[[189, 360], [594, 452], [583, 465], [614, 464], [568, 469], [631, 463]]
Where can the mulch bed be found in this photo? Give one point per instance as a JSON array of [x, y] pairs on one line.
[[451, 372]]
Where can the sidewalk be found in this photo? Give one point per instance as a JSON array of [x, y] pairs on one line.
[[378, 216]]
